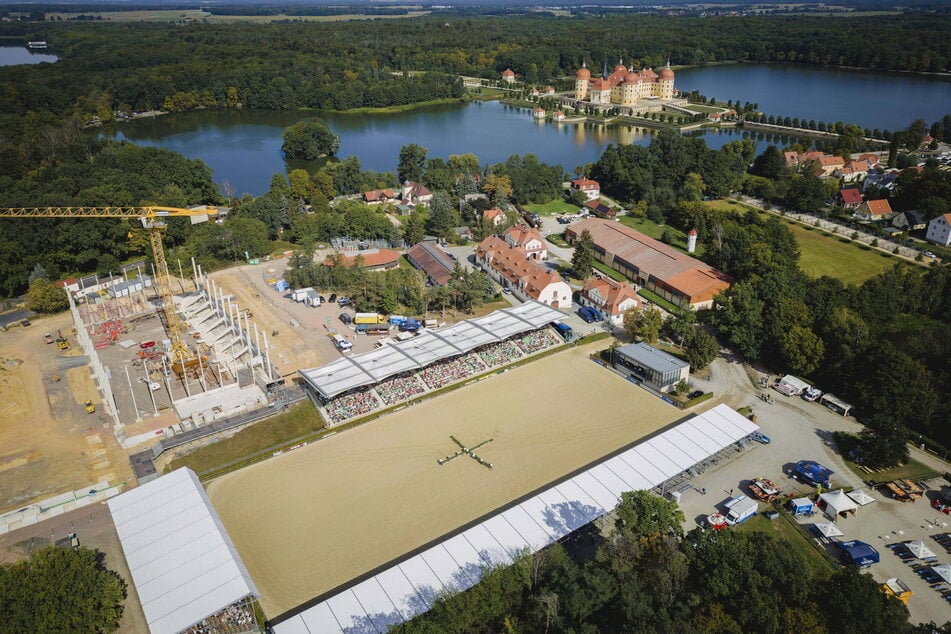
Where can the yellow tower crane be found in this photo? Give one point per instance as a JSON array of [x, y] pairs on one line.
[[153, 219]]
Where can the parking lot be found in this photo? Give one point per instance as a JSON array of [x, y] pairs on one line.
[[802, 431]]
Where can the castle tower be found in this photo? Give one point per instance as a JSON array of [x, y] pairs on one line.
[[666, 89], [582, 78], [692, 241]]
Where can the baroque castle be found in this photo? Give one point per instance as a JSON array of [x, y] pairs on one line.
[[624, 86]]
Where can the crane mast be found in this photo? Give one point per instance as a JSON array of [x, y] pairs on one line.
[[153, 219]]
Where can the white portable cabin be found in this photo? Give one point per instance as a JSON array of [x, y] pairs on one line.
[[740, 509], [794, 385], [301, 294]]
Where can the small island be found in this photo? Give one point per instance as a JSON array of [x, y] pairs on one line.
[[310, 139]]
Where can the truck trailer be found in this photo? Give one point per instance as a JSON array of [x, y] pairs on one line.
[[740, 509]]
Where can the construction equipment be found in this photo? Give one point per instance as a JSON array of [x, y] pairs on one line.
[[153, 219], [90, 407], [61, 342]]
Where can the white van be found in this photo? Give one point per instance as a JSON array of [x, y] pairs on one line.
[[341, 343]]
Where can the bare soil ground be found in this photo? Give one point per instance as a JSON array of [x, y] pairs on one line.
[[49, 444], [318, 517]]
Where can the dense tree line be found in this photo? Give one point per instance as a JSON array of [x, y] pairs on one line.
[[646, 576], [61, 590]]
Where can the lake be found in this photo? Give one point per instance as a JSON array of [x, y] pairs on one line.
[[887, 101], [14, 55], [243, 147]]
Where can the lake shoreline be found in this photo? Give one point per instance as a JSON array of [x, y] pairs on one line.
[[913, 73]]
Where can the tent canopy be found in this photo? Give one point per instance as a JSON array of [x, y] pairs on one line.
[[828, 529], [837, 502], [919, 550], [860, 497], [943, 571]]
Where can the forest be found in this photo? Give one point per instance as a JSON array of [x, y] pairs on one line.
[[643, 575]]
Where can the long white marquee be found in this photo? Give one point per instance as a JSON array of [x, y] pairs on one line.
[[351, 372], [400, 592], [182, 561]]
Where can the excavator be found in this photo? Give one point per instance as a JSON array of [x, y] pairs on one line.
[[61, 342], [153, 219]]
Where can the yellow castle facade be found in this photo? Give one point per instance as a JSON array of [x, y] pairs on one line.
[[624, 86]]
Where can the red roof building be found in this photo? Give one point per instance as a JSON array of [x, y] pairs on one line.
[[662, 269], [528, 240], [494, 217], [524, 277], [433, 261], [874, 210], [377, 196], [612, 299], [850, 198], [373, 259], [590, 188]]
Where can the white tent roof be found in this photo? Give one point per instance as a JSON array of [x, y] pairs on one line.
[[837, 502], [182, 561], [456, 563], [919, 550], [828, 529], [943, 571], [354, 371], [795, 382], [860, 497]]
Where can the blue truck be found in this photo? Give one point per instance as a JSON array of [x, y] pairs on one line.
[[588, 314], [410, 325], [811, 472], [564, 330]]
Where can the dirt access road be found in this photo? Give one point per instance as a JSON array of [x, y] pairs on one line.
[[49, 444]]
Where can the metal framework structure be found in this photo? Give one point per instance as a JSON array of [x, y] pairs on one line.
[[153, 220]]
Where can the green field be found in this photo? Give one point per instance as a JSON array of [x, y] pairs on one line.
[[823, 253], [826, 255], [783, 528], [552, 208], [175, 15], [650, 228]]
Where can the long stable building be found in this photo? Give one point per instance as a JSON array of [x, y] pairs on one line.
[[662, 269], [398, 591], [367, 369]]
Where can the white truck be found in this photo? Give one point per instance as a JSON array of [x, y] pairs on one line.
[[740, 509], [306, 296], [300, 294]]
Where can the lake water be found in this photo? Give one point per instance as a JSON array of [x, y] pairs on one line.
[[887, 101], [13, 55], [243, 147]]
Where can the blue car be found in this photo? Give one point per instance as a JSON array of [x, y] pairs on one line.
[[759, 436]]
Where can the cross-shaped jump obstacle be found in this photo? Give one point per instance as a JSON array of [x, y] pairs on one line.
[[463, 450]]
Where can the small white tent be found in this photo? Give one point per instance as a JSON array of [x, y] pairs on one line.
[[828, 529], [943, 571], [837, 502], [919, 550], [860, 497]]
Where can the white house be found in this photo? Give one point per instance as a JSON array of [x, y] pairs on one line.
[[415, 194], [494, 217], [528, 240], [591, 189], [524, 277], [609, 298], [939, 230]]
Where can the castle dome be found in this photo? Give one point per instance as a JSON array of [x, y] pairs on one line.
[[583, 72], [631, 78], [667, 74], [620, 68]]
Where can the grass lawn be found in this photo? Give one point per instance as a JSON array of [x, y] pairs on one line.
[[552, 208], [783, 527], [912, 470], [826, 255], [558, 239], [617, 276], [705, 109], [300, 420], [660, 301]]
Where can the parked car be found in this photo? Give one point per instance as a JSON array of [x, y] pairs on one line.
[[759, 436], [344, 301], [811, 394], [695, 394], [332, 298], [929, 254]]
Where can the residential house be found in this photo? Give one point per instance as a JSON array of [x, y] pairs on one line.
[[609, 298], [433, 261], [370, 259], [464, 233], [850, 198], [884, 181], [534, 92], [653, 265], [829, 165], [378, 196], [528, 240], [591, 189], [415, 194], [494, 217], [873, 210], [538, 113], [526, 278], [549, 90], [909, 221], [508, 76], [939, 230], [558, 115], [599, 209], [854, 170]]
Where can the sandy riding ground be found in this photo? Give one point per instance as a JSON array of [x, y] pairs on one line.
[[320, 516]]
